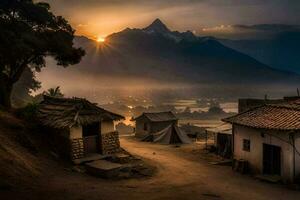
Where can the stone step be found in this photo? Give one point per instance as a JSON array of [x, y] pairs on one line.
[[269, 178], [103, 168], [89, 158], [121, 158]]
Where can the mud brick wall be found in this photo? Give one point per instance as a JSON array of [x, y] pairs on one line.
[[77, 149], [110, 143]]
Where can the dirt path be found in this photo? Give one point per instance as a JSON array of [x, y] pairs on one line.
[[190, 177], [182, 175]]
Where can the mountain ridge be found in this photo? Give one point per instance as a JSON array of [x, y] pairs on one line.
[[281, 51], [156, 52]]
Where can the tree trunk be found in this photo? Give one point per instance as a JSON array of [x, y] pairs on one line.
[[5, 95]]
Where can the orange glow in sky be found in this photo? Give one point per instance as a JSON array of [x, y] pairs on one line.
[[100, 39], [93, 17]]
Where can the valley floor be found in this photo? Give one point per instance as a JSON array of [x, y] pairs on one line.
[[183, 173]]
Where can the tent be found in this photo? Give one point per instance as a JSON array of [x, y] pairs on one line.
[[170, 135]]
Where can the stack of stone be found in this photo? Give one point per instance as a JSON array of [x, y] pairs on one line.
[[77, 149], [110, 143]]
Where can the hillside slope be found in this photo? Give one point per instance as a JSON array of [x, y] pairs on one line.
[[19, 160], [25, 156]]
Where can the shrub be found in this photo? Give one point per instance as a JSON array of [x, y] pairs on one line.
[[29, 112]]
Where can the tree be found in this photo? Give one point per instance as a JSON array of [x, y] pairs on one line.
[[21, 94], [29, 32], [215, 108], [54, 92]]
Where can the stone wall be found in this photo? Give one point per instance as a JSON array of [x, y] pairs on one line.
[[77, 148], [110, 143]]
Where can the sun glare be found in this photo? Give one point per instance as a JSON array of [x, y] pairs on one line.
[[100, 39]]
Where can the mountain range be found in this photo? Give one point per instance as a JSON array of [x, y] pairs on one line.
[[156, 52], [280, 51]]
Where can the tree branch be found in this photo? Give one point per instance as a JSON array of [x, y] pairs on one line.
[[14, 77]]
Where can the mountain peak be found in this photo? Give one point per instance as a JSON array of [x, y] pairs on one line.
[[157, 26], [157, 21]]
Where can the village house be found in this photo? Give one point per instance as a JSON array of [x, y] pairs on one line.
[[267, 137], [149, 123], [85, 128]]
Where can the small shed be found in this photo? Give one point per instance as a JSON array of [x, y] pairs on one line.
[[268, 138], [149, 123], [86, 128], [222, 139]]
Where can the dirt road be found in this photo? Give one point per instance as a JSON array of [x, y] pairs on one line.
[[182, 174]]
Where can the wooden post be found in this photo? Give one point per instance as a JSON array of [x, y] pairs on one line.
[[206, 139]]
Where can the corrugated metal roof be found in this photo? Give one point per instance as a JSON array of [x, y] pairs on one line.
[[159, 116], [280, 116]]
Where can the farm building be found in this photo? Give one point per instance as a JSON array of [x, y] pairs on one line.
[[222, 139], [268, 139], [148, 123], [85, 128]]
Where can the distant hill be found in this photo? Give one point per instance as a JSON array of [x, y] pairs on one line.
[[281, 51], [158, 53]]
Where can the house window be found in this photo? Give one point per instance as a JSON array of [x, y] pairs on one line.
[[145, 127], [246, 145]]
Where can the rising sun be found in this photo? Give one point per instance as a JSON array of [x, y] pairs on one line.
[[100, 39]]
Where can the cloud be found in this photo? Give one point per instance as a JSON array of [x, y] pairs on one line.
[[269, 27], [170, 3], [103, 17], [219, 28]]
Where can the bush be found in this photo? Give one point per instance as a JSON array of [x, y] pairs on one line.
[[29, 112]]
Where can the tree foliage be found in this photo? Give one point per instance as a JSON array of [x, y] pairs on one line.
[[21, 94], [54, 92], [29, 32]]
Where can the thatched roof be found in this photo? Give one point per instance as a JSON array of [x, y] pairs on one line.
[[159, 116], [69, 112]]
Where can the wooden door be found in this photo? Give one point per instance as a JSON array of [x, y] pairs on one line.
[[91, 144], [271, 159], [91, 138]]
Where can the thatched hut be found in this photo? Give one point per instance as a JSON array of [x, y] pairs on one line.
[[86, 128], [149, 123]]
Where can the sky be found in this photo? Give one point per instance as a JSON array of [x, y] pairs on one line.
[[99, 18]]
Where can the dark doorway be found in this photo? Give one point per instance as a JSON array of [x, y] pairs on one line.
[[174, 139], [271, 159], [91, 138], [91, 129], [224, 145]]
